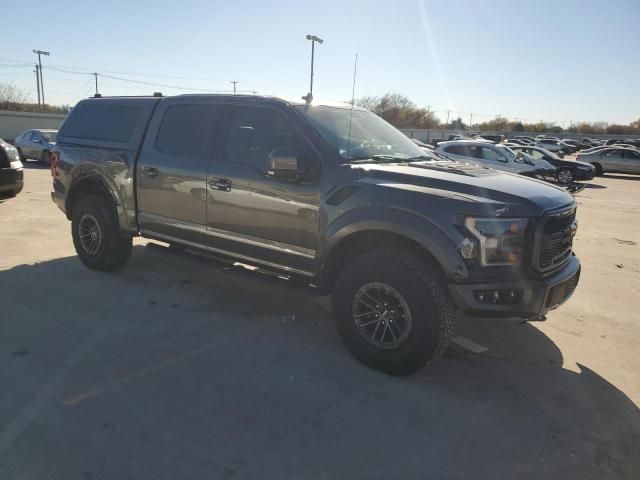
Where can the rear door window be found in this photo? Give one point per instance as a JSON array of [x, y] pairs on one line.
[[108, 122], [189, 130], [490, 154], [457, 150]]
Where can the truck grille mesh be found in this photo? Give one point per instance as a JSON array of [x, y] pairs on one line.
[[556, 241]]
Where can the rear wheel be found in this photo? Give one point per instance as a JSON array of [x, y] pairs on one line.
[[393, 311], [46, 158], [565, 176], [97, 237]]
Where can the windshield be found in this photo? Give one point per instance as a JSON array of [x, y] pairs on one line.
[[49, 136], [507, 152], [370, 138]]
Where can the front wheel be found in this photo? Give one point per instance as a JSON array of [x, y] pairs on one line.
[[97, 237], [46, 158], [565, 176], [393, 311]]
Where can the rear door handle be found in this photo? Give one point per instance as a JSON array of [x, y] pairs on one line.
[[222, 184], [149, 171]]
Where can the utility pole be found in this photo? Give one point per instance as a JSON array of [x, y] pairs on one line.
[[448, 112], [37, 70], [234, 85], [313, 39], [95, 74], [39, 53], [470, 120]]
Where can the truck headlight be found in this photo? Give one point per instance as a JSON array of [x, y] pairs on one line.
[[501, 240]]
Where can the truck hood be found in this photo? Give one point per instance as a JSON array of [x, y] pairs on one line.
[[521, 195]]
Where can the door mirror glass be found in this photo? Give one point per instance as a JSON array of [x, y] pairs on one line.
[[283, 162]]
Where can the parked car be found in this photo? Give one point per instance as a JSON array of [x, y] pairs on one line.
[[549, 144], [575, 143], [11, 173], [526, 138], [516, 141], [567, 171], [36, 144], [594, 149], [555, 145], [492, 138], [424, 146], [613, 160], [325, 193], [499, 157]]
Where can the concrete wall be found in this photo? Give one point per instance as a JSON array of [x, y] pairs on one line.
[[428, 135], [13, 124]]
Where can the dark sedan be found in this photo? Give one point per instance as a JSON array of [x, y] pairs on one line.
[[567, 171], [11, 174]]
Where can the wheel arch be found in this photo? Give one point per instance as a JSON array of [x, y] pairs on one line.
[[348, 238], [89, 184]]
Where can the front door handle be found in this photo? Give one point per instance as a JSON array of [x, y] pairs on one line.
[[222, 184], [149, 171]]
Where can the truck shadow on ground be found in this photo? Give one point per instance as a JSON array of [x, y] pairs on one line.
[[176, 367]]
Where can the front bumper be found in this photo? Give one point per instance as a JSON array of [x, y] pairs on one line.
[[58, 199], [540, 295], [11, 179], [585, 174]]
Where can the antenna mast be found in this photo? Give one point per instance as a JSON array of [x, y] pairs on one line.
[[353, 101]]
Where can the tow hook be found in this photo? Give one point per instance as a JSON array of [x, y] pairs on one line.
[[538, 318]]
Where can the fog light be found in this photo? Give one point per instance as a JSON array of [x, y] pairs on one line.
[[503, 296]]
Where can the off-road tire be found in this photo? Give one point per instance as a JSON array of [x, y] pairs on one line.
[[422, 286], [115, 246]]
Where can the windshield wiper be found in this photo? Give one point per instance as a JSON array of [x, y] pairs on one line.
[[419, 159], [375, 158]]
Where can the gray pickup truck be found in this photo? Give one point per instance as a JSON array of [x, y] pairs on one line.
[[324, 193]]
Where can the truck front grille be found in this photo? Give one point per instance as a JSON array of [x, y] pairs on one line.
[[554, 241]]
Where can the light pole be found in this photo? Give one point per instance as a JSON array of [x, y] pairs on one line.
[[313, 39], [234, 85], [40, 52], [37, 70]]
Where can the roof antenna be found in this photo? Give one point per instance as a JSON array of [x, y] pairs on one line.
[[353, 101]]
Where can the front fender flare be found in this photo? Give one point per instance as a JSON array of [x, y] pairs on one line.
[[400, 222]]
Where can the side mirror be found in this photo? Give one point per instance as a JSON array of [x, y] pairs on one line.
[[283, 163], [561, 154]]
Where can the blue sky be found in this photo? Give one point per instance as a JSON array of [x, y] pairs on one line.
[[562, 60]]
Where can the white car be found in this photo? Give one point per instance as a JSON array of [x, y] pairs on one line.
[[497, 156], [550, 144]]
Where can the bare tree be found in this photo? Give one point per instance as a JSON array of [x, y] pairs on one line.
[[10, 94]]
